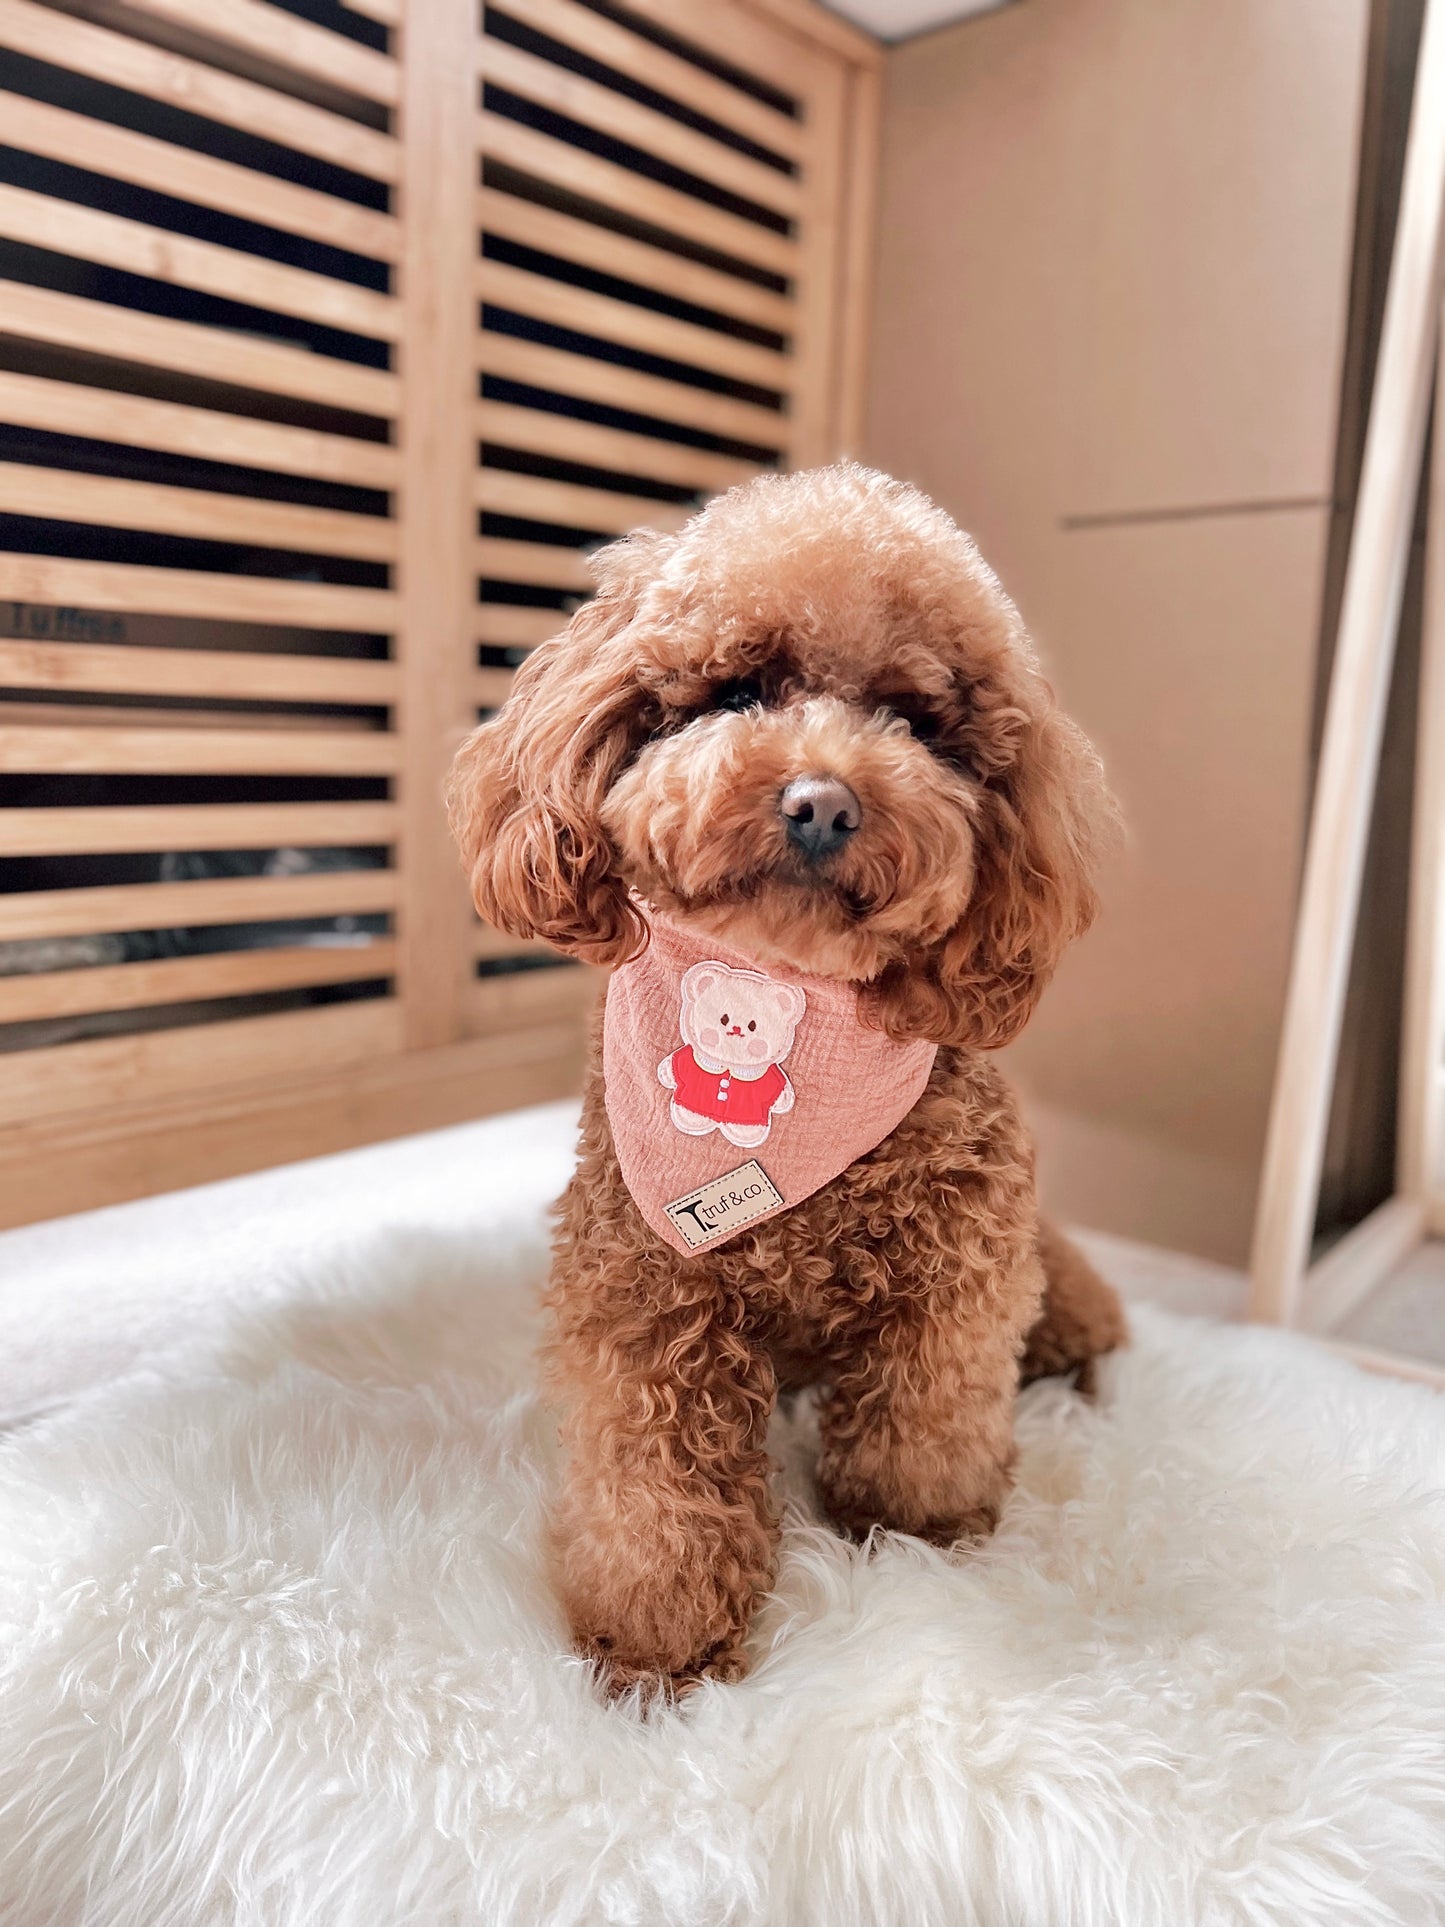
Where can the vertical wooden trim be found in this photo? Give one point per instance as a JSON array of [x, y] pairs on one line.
[[1361, 1262], [1417, 1371], [435, 644], [1354, 723], [855, 282], [1419, 1175], [813, 436]]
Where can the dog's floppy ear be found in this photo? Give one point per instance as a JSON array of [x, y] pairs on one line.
[[1044, 818], [526, 788]]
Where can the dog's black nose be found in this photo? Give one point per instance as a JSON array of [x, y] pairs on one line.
[[819, 813]]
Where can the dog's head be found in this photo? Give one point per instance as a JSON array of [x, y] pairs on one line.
[[809, 723]]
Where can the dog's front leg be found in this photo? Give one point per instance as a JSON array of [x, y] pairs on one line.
[[917, 1428], [665, 1534]]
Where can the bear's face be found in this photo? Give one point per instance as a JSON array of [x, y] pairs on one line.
[[739, 1018]]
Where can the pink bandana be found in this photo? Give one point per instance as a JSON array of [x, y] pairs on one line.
[[734, 1093]]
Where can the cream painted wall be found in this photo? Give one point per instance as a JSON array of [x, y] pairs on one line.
[[1110, 311]]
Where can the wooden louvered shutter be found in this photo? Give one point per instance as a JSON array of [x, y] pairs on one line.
[[331, 337]]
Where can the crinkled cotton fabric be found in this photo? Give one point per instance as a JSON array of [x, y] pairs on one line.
[[734, 1091]]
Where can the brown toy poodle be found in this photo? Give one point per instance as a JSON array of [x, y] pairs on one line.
[[806, 734]]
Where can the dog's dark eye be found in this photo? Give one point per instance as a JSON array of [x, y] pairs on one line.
[[723, 1019], [751, 1024], [745, 693], [922, 723]]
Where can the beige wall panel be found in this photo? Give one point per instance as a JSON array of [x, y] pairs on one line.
[[1113, 260], [1114, 252], [1187, 651], [1145, 1189]]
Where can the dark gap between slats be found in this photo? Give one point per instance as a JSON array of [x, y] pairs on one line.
[[126, 461], [339, 19], [76, 790], [148, 1019], [514, 966], [167, 211], [88, 872], [495, 388], [526, 187], [710, 63], [93, 370], [514, 254], [501, 26], [526, 528], [194, 133], [87, 542], [260, 711], [58, 623], [522, 327], [495, 655], [93, 281], [195, 44], [635, 159], [528, 595], [523, 461]]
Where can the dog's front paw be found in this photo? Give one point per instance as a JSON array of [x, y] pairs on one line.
[[944, 1513], [655, 1681]]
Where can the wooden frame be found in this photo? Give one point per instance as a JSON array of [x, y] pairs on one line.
[[472, 347], [1286, 1288]]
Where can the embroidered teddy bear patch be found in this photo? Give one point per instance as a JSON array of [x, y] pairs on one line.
[[737, 1028]]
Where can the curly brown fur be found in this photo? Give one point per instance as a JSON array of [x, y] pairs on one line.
[[837, 624]]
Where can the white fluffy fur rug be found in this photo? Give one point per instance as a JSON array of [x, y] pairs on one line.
[[276, 1649]]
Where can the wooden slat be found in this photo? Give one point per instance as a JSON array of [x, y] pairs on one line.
[[540, 433], [860, 224], [571, 239], [1416, 1371], [70, 321], [435, 647], [603, 381], [822, 29], [786, 59], [66, 495], [817, 336], [559, 303], [1420, 1145], [1360, 1262], [103, 414], [178, 980], [88, 1157], [222, 673], [187, 592], [65, 227], [615, 46], [504, 626], [1355, 714], [491, 687], [285, 41], [621, 118], [541, 563], [194, 826], [22, 713], [195, 752], [110, 1070], [207, 900], [123, 61], [618, 187], [80, 141], [388, 12], [504, 493], [530, 996], [490, 944]]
